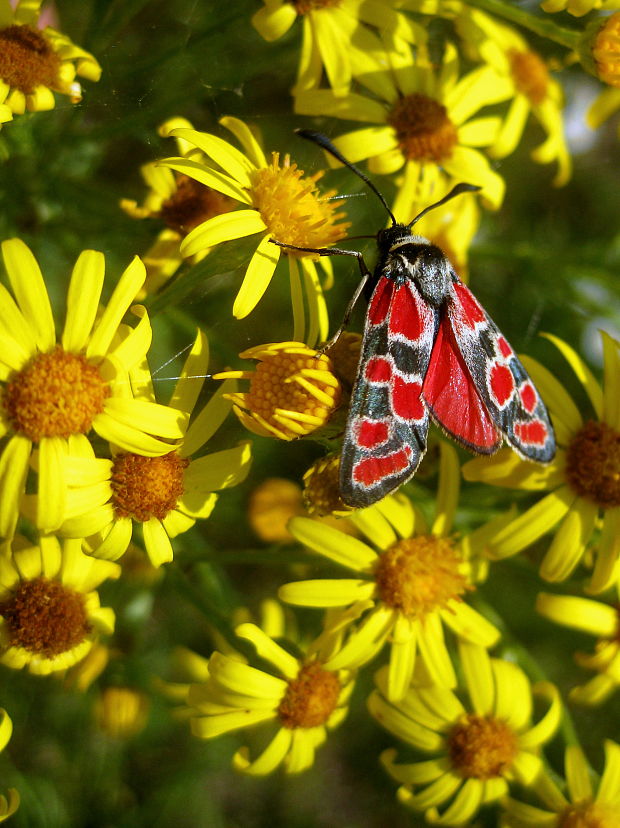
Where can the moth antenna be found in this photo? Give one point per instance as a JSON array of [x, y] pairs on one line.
[[456, 190], [324, 142]]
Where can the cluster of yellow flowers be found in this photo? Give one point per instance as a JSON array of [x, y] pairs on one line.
[[89, 454]]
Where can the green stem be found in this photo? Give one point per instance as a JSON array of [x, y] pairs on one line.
[[543, 26]]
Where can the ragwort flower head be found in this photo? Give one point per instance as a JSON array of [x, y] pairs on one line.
[[583, 808], [340, 37], [408, 585], [50, 616], [35, 63], [478, 750], [577, 7], [8, 805], [534, 90], [583, 479], [593, 618], [293, 391], [422, 122], [304, 701], [177, 201], [56, 393], [278, 203], [165, 494]]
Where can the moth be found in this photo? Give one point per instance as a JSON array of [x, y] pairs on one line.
[[429, 352]]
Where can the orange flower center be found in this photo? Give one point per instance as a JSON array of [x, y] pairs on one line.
[[423, 129], [322, 487], [482, 747], [593, 464], [292, 207], [419, 575], [272, 504], [45, 617], [294, 393], [606, 50], [55, 395], [305, 6], [589, 815], [311, 698], [191, 204], [146, 487], [530, 75], [27, 59]]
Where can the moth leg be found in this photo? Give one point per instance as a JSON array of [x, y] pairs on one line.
[[366, 274]]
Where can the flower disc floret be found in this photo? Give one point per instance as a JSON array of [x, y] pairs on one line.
[[27, 59], [593, 464], [423, 129], [589, 815], [57, 394], [482, 747], [191, 204], [292, 207], [420, 575], [310, 698], [45, 617], [606, 51], [145, 487]]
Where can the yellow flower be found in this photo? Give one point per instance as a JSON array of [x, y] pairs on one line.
[[583, 808], [10, 805], [594, 618], [478, 750], [423, 122], [121, 712], [583, 479], [279, 203], [340, 37], [178, 201], [35, 63], [322, 488], [408, 584], [50, 616], [56, 393], [606, 50], [293, 390], [303, 701], [272, 504], [577, 7], [533, 88], [164, 494]]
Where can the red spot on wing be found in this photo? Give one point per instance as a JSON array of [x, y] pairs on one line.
[[529, 397], [372, 470], [380, 301], [371, 433], [470, 311], [378, 369], [450, 393], [406, 399], [407, 318], [502, 384], [534, 433], [504, 348]]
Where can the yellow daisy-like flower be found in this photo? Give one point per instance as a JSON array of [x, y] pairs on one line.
[[583, 479], [422, 121], [35, 63], [340, 37], [594, 618], [304, 701], [121, 712], [293, 390], [583, 808], [478, 750], [8, 804], [178, 201], [54, 392], [409, 584], [577, 7], [534, 90], [165, 495], [50, 615], [278, 203], [272, 504]]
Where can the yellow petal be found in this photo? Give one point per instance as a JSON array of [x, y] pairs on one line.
[[224, 154], [611, 392], [83, 299], [29, 288], [583, 374], [210, 418], [331, 543], [14, 461], [578, 613], [257, 278], [448, 490], [577, 774], [209, 177], [569, 543], [157, 542], [124, 294], [269, 650], [225, 227], [341, 592], [269, 759]]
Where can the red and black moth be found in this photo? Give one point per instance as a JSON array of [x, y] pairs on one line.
[[430, 352]]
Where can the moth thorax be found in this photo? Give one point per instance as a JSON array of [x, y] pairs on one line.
[[431, 271]]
